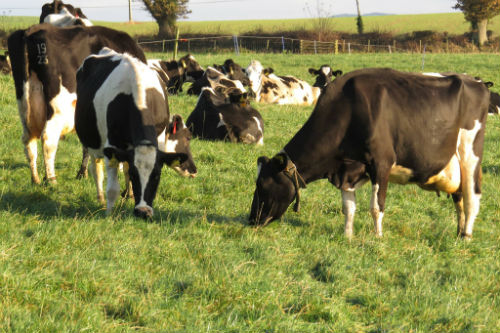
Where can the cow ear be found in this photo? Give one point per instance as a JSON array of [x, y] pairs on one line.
[[488, 84], [338, 72], [280, 161], [262, 160], [313, 71], [172, 159], [117, 154], [183, 63]]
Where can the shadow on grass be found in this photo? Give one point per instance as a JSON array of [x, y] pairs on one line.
[[491, 169]]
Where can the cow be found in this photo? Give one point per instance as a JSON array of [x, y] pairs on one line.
[[230, 69], [177, 72], [269, 88], [122, 115], [224, 113], [56, 7], [44, 61], [383, 125], [324, 75], [494, 107], [5, 63], [65, 19]]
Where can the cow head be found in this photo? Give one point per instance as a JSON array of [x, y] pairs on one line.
[[191, 68], [234, 72], [178, 141], [254, 72], [56, 7], [145, 162], [324, 75], [278, 184]]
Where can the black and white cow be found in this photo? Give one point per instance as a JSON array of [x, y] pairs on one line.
[[229, 69], [494, 100], [176, 72], [65, 19], [5, 63], [384, 126], [44, 61], [224, 113], [59, 7], [324, 75], [269, 88], [122, 116]]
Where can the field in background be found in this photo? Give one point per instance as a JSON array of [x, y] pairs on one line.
[[198, 267], [453, 23]]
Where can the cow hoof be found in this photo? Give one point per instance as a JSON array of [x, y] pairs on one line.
[[101, 199], [51, 181], [35, 181], [145, 213], [466, 237]]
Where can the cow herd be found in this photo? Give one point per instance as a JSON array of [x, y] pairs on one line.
[[377, 125]]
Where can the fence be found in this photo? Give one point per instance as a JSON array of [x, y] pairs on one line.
[[243, 44]]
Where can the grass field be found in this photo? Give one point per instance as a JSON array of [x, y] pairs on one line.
[[198, 267], [453, 23]]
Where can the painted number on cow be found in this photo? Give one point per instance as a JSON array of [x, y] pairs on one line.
[[42, 54]]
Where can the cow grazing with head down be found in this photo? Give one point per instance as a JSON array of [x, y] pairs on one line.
[[224, 113], [176, 72], [269, 88], [324, 75], [122, 116], [383, 125], [44, 61]]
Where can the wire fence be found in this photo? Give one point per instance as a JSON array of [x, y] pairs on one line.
[[257, 44]]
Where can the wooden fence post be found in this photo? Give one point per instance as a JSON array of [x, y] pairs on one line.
[[301, 46], [336, 46], [176, 44], [368, 46], [349, 47]]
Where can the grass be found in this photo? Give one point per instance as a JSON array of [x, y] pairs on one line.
[[453, 23], [197, 266]]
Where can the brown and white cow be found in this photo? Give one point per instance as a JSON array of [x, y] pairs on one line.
[[122, 115], [384, 126], [269, 88], [44, 61]]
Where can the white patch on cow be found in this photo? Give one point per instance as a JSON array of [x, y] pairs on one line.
[[255, 76], [433, 74], [349, 209], [65, 19], [469, 162], [498, 109], [326, 70], [162, 141], [377, 215], [261, 140], [221, 122], [171, 145], [144, 161], [447, 180], [112, 186]]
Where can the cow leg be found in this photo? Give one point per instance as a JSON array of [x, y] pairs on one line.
[[112, 186], [459, 208], [377, 203], [349, 209], [31, 151], [50, 139], [97, 171], [82, 173]]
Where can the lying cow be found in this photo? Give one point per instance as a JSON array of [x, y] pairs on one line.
[[324, 75], [5, 63], [229, 69], [383, 125], [269, 88], [122, 115], [46, 83], [225, 114], [176, 72]]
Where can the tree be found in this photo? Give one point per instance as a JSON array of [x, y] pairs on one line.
[[166, 13], [359, 20], [478, 12]]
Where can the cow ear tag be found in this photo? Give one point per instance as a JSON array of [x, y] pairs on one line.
[[183, 63], [175, 128]]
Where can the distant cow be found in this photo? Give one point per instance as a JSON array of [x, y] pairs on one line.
[[269, 88], [122, 116], [5, 63], [58, 7], [324, 75], [230, 69], [494, 100], [44, 61], [223, 113], [383, 125], [177, 72]]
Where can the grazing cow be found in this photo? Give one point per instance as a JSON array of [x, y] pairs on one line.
[[122, 116], [383, 125], [5, 63], [269, 88], [44, 61], [176, 72], [223, 113], [324, 75], [57, 7]]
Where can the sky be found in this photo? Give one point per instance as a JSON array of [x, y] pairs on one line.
[[217, 10]]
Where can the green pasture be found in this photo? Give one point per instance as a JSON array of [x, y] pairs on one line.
[[198, 266], [453, 23]]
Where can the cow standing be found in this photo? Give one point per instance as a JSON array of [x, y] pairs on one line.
[[122, 115], [383, 125], [44, 61], [269, 88]]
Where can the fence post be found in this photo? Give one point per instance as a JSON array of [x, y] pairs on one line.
[[301, 46], [267, 45], [215, 44], [349, 48], [423, 58], [163, 46], [343, 46], [394, 45], [420, 46], [389, 47], [368, 46], [176, 44], [236, 45], [315, 50], [336, 46], [283, 43]]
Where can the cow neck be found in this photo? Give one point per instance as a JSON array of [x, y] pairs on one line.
[[297, 180]]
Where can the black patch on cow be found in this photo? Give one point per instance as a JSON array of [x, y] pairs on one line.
[[289, 80], [268, 86]]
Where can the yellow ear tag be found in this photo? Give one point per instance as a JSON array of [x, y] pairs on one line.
[[113, 162], [183, 64]]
